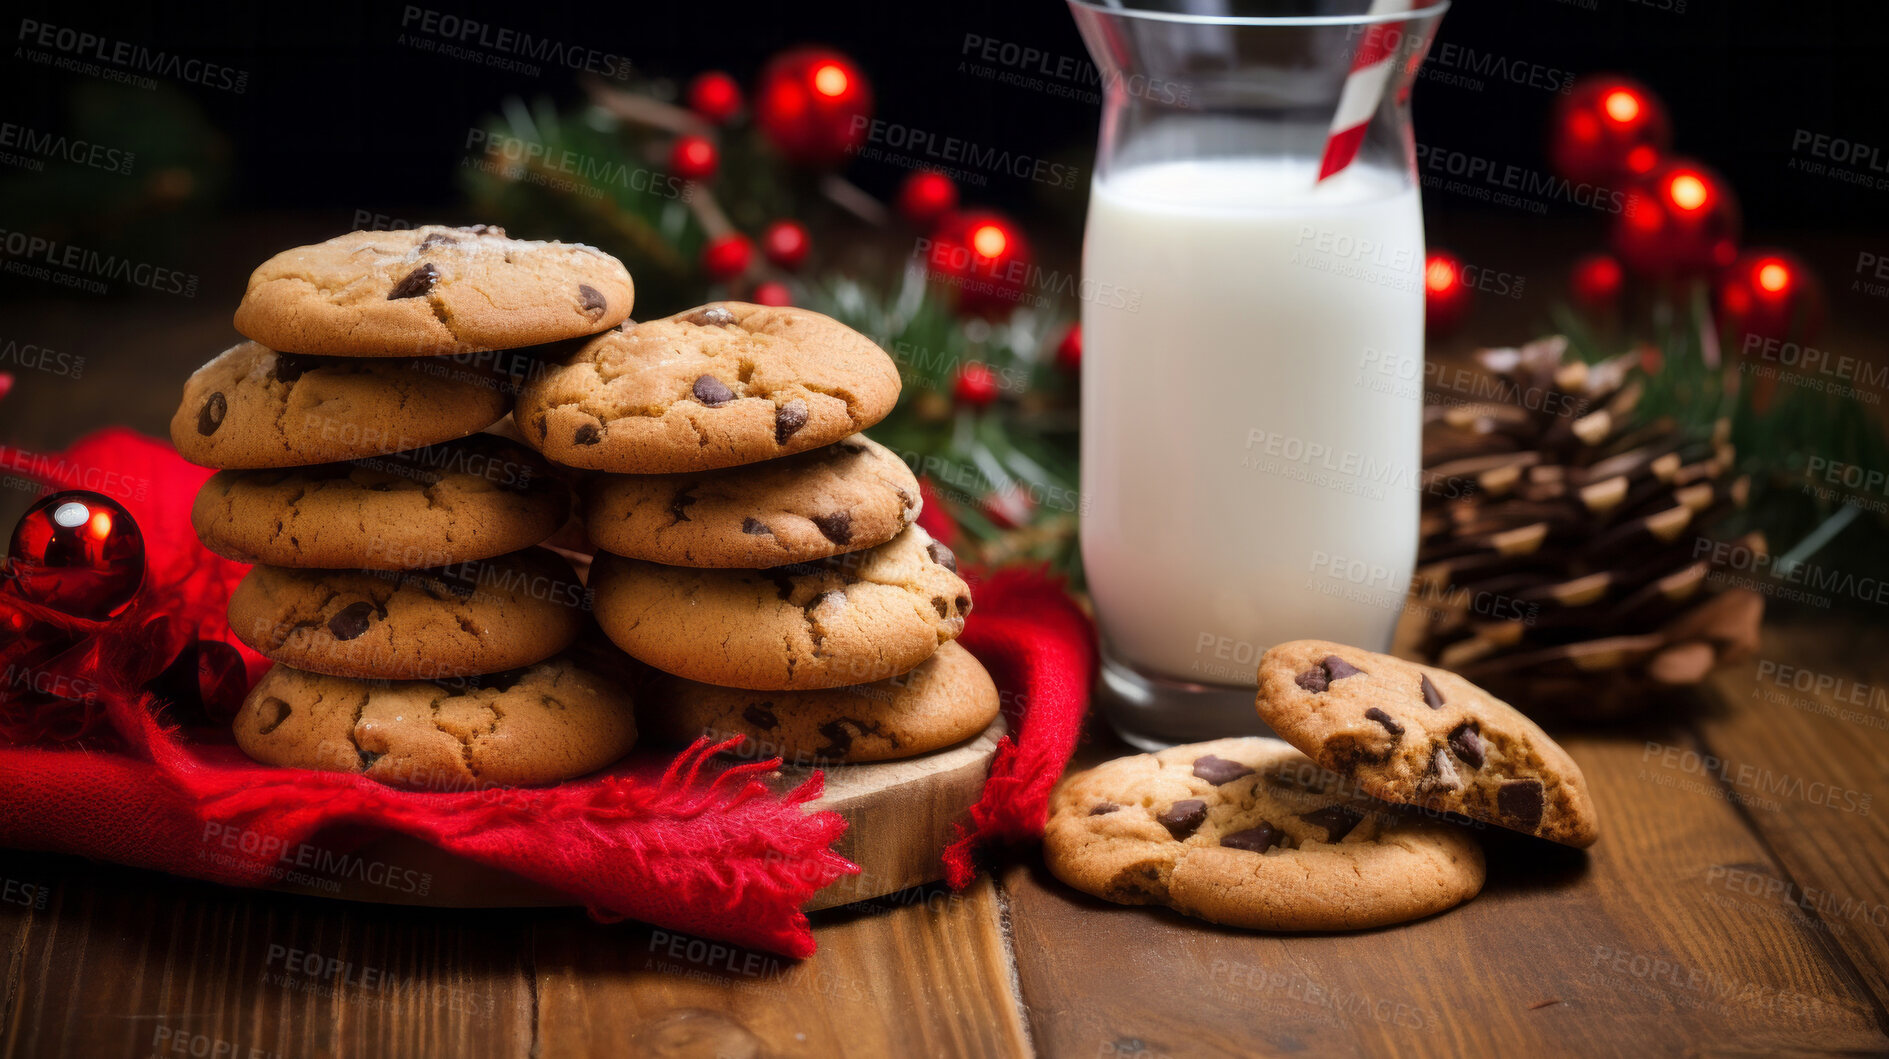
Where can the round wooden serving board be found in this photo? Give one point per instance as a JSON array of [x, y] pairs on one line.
[[898, 822]]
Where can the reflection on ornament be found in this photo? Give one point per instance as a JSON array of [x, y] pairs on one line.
[[77, 552]]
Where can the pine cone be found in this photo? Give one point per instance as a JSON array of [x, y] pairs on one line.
[[1561, 563]]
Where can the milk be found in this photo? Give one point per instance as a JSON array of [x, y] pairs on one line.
[[1250, 430]]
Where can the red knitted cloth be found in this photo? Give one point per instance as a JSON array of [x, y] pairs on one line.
[[690, 844]]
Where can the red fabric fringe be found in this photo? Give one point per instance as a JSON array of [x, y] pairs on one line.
[[692, 845]]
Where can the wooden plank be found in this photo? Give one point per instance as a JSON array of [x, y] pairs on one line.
[[924, 972], [124, 962], [1615, 952], [1803, 740]]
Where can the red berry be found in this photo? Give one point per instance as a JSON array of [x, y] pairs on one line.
[[976, 385], [785, 243], [1446, 297], [927, 196], [1069, 350], [1595, 282], [715, 96], [693, 157], [728, 256], [773, 292]]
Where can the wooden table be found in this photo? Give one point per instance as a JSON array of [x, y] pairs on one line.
[[1737, 903]]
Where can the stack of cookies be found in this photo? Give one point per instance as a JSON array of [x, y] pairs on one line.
[[422, 637], [754, 548]]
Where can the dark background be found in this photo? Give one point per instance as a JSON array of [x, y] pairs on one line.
[[338, 114]]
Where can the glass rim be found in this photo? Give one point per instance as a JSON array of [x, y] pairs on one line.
[[1283, 21]]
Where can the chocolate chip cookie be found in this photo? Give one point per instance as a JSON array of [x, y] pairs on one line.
[[253, 407], [1250, 833], [948, 698], [722, 385], [1411, 733], [551, 721], [474, 617], [849, 619], [474, 498], [431, 290], [850, 495]]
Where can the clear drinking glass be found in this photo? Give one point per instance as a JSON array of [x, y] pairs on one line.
[[1252, 385]]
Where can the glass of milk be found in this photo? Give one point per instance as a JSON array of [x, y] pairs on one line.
[[1252, 403]]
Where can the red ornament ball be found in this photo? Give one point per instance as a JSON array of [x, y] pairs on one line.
[[786, 243], [1608, 128], [772, 292], [985, 257], [925, 197], [813, 105], [1069, 350], [727, 256], [976, 385], [1595, 283], [1769, 294], [79, 553], [1446, 297], [715, 96], [1681, 220], [694, 157]]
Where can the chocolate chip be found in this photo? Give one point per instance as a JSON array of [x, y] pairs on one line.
[[1337, 820], [587, 434], [761, 716], [1430, 694], [1218, 770], [368, 758], [352, 621], [274, 712], [1314, 679], [788, 419], [964, 605], [754, 527], [1385, 719], [1338, 669], [942, 556], [1443, 776], [710, 391], [840, 735], [210, 416], [837, 527], [435, 239], [1253, 839], [1468, 744], [941, 605], [1183, 817], [679, 507], [711, 316], [1521, 801], [416, 283], [483, 229], [591, 300], [1103, 808], [289, 367]]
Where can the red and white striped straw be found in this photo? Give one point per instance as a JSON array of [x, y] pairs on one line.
[[1364, 87]]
